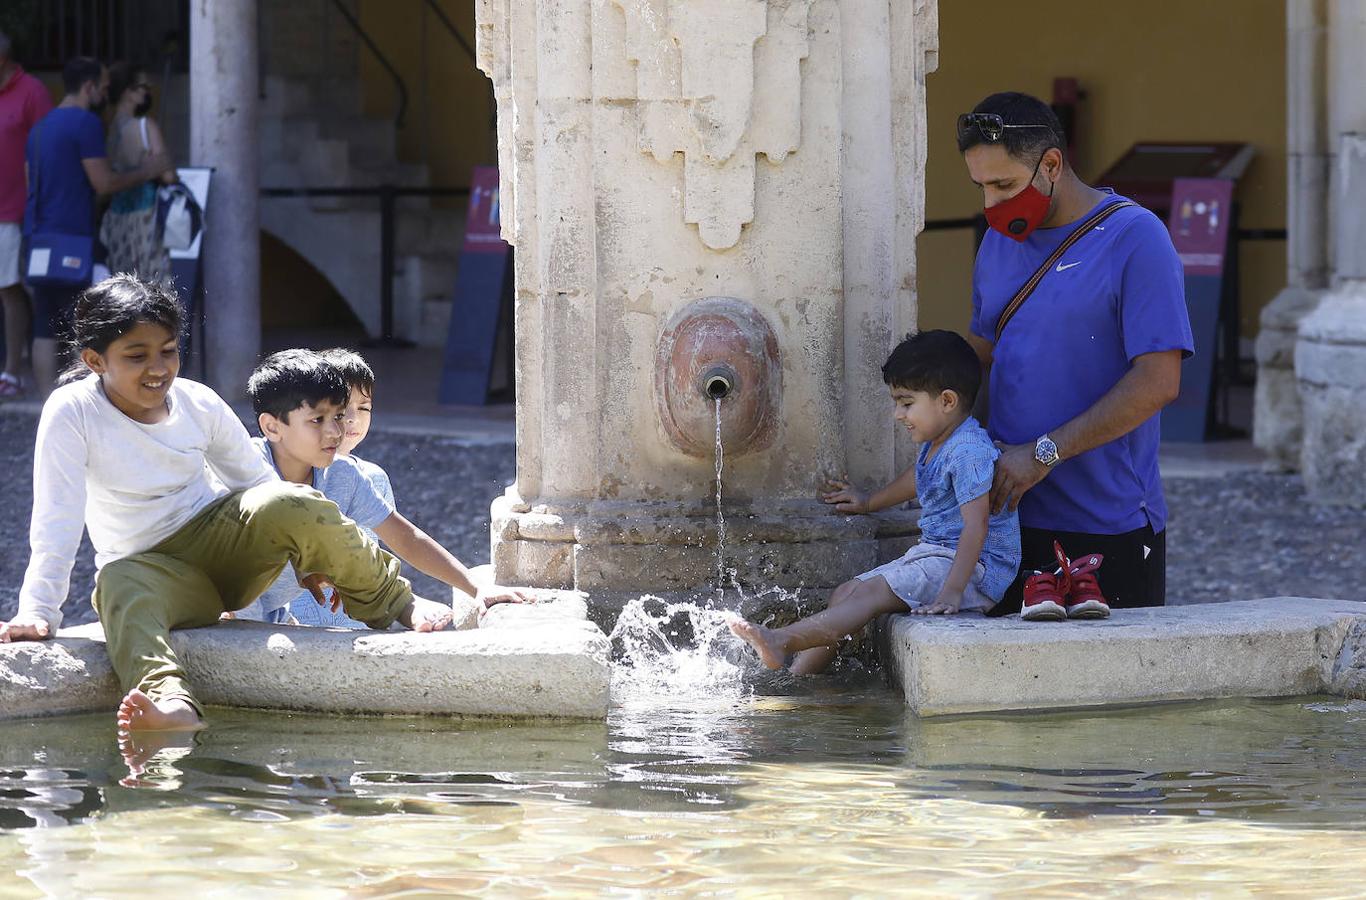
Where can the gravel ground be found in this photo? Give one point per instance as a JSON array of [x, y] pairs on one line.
[[1234, 537]]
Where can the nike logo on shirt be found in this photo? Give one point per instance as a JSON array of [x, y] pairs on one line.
[[1064, 267]]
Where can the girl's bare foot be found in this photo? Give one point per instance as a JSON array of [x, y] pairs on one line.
[[767, 642], [138, 712], [149, 756], [425, 615]]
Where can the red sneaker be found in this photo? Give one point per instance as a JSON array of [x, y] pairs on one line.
[[1043, 597], [1083, 597]]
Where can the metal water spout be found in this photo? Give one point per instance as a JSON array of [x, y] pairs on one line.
[[718, 382], [718, 348]]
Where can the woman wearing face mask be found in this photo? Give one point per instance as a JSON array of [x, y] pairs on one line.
[[129, 228]]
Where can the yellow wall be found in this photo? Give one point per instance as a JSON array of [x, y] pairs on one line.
[[450, 128], [1152, 70]]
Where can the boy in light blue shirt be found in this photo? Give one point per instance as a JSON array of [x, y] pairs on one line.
[[360, 404], [966, 557], [302, 399]]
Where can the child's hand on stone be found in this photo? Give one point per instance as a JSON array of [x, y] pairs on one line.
[[317, 585], [496, 593], [844, 496], [946, 604], [24, 631]]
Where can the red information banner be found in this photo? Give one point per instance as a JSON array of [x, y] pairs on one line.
[[484, 225], [1201, 209]]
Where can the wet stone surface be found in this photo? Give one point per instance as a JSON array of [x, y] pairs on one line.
[[1235, 537]]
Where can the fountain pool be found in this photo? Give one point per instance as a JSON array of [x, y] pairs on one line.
[[709, 776]]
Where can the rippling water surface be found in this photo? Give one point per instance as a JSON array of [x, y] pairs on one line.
[[708, 777]]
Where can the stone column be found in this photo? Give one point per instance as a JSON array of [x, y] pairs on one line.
[[1330, 357], [705, 194], [1277, 418], [223, 135]]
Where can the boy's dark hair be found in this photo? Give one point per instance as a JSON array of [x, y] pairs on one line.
[[1024, 144], [354, 368], [108, 309], [78, 70], [285, 381], [934, 361]]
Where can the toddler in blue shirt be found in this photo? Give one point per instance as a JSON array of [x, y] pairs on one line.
[[966, 557]]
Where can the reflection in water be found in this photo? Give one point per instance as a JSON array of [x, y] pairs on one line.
[[707, 777]]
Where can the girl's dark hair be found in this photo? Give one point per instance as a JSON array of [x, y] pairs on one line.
[[122, 76], [110, 309]]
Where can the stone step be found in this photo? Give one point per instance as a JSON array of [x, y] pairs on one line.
[[285, 99], [370, 142], [423, 286], [436, 322], [434, 232], [553, 669], [1275, 647], [429, 277]]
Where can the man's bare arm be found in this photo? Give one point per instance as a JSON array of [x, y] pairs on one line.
[[1153, 381], [106, 181], [983, 348]]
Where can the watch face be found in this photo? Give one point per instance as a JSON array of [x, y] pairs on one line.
[[1045, 451]]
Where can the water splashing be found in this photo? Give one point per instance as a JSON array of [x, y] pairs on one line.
[[674, 650], [720, 516]]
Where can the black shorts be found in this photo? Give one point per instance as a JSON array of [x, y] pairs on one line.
[[1133, 574]]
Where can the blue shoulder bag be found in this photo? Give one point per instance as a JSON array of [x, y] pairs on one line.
[[56, 258]]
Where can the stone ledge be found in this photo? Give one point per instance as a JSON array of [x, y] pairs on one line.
[[551, 608], [542, 670], [1283, 646]]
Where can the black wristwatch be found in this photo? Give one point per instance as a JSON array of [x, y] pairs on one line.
[[1046, 452]]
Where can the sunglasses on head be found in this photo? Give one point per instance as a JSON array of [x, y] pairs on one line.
[[989, 125]]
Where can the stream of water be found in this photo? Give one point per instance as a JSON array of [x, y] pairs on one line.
[[720, 515]]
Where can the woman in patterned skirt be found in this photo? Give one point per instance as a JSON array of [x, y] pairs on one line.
[[129, 231]]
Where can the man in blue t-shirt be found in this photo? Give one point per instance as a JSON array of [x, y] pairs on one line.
[[1081, 370], [67, 168]]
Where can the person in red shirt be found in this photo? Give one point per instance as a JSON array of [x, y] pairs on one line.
[[23, 101]]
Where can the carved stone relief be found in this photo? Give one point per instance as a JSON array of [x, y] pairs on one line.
[[718, 81]]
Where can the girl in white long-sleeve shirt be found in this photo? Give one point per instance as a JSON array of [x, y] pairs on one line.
[[186, 518]]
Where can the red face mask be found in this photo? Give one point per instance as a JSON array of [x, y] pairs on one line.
[[1017, 217]]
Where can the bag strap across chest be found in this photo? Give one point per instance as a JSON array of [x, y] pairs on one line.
[[1028, 287]]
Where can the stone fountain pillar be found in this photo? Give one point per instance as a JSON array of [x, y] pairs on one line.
[[1278, 416], [1330, 355], [707, 198]]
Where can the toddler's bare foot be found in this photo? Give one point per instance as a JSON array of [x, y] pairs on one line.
[[138, 712], [425, 615], [765, 641]]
